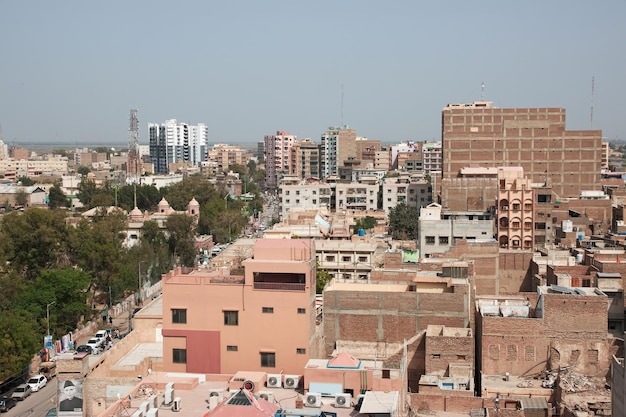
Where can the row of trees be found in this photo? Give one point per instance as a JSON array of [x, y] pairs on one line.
[[70, 265]]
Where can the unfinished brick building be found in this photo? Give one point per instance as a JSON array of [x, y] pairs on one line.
[[563, 328], [482, 135]]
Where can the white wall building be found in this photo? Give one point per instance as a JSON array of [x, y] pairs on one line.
[[176, 142]]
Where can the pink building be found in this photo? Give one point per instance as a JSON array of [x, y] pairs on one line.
[[214, 322], [515, 209]]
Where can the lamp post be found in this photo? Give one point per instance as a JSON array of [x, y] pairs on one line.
[[48, 318], [139, 279]]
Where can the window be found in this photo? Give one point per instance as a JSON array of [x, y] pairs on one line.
[[330, 258], [179, 315], [302, 311], [443, 240], [300, 351], [347, 259], [436, 355], [268, 310], [362, 258], [231, 348], [268, 360], [179, 355], [386, 374], [430, 240], [231, 318]]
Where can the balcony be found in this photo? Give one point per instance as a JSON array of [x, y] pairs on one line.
[[279, 286]]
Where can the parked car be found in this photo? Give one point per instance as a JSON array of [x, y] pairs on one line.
[[102, 335], [6, 404], [94, 343], [21, 392], [37, 382], [84, 349], [51, 413]]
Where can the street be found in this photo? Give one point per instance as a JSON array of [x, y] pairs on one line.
[[38, 403]]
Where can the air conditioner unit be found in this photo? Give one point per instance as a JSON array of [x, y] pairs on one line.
[[177, 406], [343, 400], [169, 396], [313, 399], [153, 412], [292, 381], [137, 413], [217, 392], [267, 396], [274, 380]]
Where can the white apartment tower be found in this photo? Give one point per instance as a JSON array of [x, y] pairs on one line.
[[277, 157], [175, 142]]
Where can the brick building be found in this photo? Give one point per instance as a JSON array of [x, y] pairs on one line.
[[559, 327]]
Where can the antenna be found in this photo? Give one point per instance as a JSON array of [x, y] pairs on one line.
[[592, 91], [341, 104], [482, 91], [133, 145]]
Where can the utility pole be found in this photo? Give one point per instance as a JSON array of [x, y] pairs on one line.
[[48, 318]]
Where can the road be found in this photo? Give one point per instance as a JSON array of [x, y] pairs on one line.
[[37, 404]]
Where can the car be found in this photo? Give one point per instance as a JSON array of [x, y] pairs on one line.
[[101, 334], [83, 349], [21, 392], [6, 404], [37, 382], [51, 413], [94, 343]]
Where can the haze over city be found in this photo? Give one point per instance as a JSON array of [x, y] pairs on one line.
[[72, 70]]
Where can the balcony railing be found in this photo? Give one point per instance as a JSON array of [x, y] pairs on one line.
[[279, 286]]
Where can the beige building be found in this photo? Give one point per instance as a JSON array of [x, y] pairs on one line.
[[516, 198], [54, 165], [214, 322], [221, 157], [412, 190], [305, 159]]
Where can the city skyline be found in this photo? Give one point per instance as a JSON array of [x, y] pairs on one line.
[[73, 70]]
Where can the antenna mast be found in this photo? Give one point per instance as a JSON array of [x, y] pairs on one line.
[[482, 91], [133, 146], [592, 91], [342, 105]]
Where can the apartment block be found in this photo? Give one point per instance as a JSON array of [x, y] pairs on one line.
[[293, 193], [432, 157], [440, 230], [345, 259], [359, 196], [221, 157], [305, 159], [277, 154], [411, 190], [366, 151], [220, 323], [338, 144], [174, 142]]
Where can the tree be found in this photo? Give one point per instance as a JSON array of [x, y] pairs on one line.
[[86, 190], [403, 222], [21, 198], [56, 198], [365, 223], [83, 170], [25, 181], [322, 277], [181, 240]]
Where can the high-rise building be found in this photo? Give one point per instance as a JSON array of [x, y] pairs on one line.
[[175, 142], [481, 135], [338, 145], [305, 159], [277, 154]]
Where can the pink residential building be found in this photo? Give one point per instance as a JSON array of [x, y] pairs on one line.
[[214, 322]]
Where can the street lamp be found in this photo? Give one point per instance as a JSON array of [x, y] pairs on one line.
[[139, 279], [48, 318]]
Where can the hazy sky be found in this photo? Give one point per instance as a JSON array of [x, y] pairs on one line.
[[70, 71]]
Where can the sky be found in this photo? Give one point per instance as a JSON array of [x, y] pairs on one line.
[[71, 70]]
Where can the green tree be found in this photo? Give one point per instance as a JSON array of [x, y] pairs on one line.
[[35, 240], [365, 223], [181, 240], [83, 170], [21, 198], [86, 190], [25, 181], [403, 222], [195, 186], [322, 277], [56, 198]]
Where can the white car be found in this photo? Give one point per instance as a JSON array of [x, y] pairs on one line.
[[37, 382], [95, 344], [102, 335]]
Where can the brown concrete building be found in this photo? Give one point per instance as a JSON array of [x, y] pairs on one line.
[[305, 159]]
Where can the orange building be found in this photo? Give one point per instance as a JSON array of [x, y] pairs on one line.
[[214, 322]]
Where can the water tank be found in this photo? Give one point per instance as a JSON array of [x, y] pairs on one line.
[[361, 232], [567, 226]]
